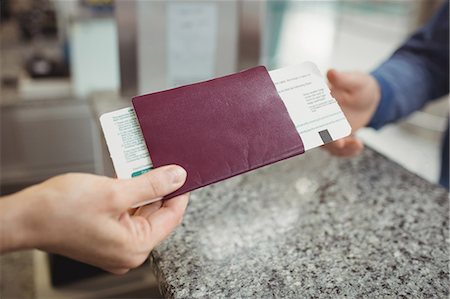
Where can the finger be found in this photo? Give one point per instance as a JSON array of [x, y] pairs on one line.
[[353, 147], [127, 221], [147, 210], [332, 76], [346, 147], [167, 218], [338, 143], [118, 271], [339, 95], [178, 205], [343, 80], [132, 211], [152, 185], [335, 145]]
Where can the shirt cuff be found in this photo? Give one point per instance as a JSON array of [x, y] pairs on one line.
[[381, 115]]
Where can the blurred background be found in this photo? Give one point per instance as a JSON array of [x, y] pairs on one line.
[[65, 62]]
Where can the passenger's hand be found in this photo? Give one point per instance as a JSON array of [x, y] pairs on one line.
[[358, 94], [87, 217]]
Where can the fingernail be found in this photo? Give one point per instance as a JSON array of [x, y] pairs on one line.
[[178, 174]]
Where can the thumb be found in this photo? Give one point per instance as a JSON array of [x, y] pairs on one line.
[[152, 185], [343, 80]]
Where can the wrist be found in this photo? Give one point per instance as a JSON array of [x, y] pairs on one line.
[[384, 96], [17, 226]]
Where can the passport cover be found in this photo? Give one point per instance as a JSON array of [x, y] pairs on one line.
[[219, 128]]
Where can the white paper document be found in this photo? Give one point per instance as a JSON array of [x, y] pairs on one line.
[[125, 142], [315, 114]]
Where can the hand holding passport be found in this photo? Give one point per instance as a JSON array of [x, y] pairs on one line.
[[226, 126]]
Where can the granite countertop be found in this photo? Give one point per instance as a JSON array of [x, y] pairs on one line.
[[311, 226]]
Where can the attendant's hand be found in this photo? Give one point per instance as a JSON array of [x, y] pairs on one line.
[[87, 217], [358, 94]]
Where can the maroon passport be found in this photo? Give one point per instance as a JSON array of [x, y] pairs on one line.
[[218, 128]]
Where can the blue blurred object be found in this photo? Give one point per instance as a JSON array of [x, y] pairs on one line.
[[417, 73]]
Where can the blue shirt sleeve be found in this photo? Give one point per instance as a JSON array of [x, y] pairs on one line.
[[416, 73]]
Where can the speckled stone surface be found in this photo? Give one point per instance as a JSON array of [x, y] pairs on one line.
[[311, 226]]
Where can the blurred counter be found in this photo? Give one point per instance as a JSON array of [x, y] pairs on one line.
[[311, 226]]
